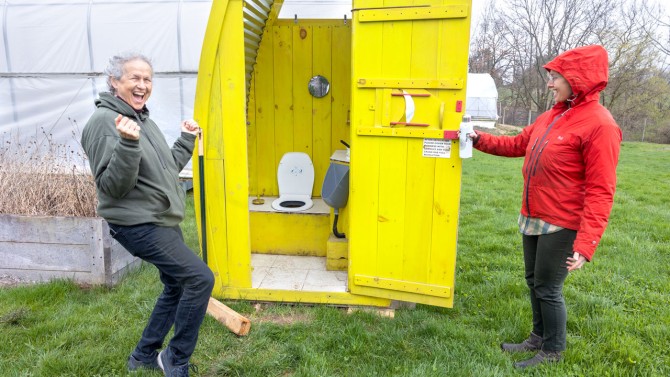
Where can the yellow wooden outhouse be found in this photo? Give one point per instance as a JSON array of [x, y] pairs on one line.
[[390, 83]]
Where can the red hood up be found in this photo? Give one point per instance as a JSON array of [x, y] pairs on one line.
[[585, 68]]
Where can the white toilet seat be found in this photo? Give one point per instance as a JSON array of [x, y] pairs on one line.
[[295, 178], [286, 199]]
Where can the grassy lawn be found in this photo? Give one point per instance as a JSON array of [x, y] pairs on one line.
[[618, 305]]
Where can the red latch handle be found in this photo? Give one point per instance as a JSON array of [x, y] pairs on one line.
[[451, 135]]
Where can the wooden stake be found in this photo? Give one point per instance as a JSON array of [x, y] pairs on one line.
[[234, 321]]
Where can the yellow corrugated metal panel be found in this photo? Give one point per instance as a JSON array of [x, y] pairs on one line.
[[253, 13], [251, 38], [264, 5], [256, 14], [253, 25]]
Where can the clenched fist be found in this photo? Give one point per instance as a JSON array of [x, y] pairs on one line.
[[190, 126], [127, 128]]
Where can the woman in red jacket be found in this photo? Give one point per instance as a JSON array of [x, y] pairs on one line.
[[570, 156]]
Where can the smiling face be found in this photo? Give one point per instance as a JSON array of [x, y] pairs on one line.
[[560, 86], [134, 86]]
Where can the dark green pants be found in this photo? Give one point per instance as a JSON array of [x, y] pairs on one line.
[[545, 259]]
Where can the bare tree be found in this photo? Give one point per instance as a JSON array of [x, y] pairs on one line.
[[492, 50], [659, 30], [517, 37]]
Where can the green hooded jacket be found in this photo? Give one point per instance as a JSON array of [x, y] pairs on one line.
[[137, 180]]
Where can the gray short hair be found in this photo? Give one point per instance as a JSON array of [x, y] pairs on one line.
[[115, 67]]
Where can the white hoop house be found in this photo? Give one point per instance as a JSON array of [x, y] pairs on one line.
[[53, 54]]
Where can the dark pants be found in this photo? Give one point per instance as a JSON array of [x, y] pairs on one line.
[[546, 258], [188, 284]]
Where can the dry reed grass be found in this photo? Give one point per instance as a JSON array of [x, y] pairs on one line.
[[40, 177]]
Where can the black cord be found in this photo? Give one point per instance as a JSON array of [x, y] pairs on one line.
[[335, 232]]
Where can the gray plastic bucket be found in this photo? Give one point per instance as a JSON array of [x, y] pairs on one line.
[[335, 190]]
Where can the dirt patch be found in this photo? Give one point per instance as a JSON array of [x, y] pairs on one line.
[[262, 315], [14, 317], [282, 319], [501, 129], [509, 128], [7, 281]]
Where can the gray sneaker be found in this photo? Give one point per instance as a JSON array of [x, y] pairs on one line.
[[135, 364], [533, 343], [169, 369], [542, 357]]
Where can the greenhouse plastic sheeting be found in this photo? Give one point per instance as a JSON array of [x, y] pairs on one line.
[[482, 97], [53, 54]]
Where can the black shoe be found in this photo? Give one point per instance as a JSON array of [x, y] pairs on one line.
[[533, 343], [134, 364], [171, 370], [542, 357]]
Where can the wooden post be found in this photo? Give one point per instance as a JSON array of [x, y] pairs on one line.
[[234, 321]]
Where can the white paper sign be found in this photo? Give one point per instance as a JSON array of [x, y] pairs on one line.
[[439, 148]]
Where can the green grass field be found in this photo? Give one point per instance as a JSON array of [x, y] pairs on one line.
[[618, 305]]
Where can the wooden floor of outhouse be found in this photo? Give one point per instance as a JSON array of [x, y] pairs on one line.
[[295, 273]]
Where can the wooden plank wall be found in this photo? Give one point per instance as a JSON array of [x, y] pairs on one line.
[[282, 115], [407, 204], [42, 248]]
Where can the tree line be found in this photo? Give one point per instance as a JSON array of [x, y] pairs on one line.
[[515, 38]]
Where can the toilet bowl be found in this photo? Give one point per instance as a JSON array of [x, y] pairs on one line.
[[295, 177]]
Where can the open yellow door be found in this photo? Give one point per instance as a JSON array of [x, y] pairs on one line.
[[409, 76]]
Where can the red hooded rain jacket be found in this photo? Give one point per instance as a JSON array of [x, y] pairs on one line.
[[571, 152]]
